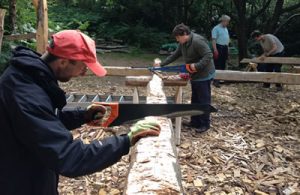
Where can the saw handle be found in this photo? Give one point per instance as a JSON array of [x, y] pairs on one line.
[[113, 115]]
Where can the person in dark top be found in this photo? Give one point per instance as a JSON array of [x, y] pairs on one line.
[[36, 144], [272, 47], [195, 51]]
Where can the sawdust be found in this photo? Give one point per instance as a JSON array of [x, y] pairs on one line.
[[253, 146]]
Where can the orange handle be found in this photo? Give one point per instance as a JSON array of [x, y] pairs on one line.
[[114, 106]]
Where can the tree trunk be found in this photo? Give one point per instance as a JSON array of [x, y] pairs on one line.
[[12, 15], [241, 27], [275, 18], [42, 26], [2, 15]]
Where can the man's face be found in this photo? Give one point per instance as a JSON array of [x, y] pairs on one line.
[[258, 38], [225, 23], [67, 69], [182, 39]]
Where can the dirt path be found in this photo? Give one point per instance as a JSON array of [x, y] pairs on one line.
[[253, 145]]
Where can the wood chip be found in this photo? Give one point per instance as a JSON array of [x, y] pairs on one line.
[[198, 183], [257, 192]]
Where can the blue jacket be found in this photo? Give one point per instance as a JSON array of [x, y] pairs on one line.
[[35, 143]]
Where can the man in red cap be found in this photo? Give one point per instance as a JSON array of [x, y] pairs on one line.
[[35, 143]]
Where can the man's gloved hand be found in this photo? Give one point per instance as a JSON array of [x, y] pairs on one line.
[[184, 76], [143, 128], [191, 68], [94, 113]]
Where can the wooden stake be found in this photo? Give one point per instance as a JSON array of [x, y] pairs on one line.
[[2, 15], [178, 120], [154, 166], [42, 26]]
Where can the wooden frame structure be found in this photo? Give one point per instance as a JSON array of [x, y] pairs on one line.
[[154, 165], [274, 60], [2, 15]]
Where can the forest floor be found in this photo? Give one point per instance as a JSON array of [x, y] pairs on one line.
[[253, 146]]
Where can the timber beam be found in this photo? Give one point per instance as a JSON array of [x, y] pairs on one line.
[[226, 75], [273, 60], [154, 166]]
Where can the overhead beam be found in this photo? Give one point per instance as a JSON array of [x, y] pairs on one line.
[[226, 75], [154, 166], [273, 60]]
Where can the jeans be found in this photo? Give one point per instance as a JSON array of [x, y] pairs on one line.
[[271, 68], [201, 94]]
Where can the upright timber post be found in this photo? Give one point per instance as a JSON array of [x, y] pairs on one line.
[[2, 15], [42, 25], [153, 161], [178, 120]]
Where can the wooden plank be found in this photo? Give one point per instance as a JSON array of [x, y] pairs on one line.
[[42, 26], [274, 60], [2, 15], [142, 81], [27, 36], [154, 166], [126, 71], [296, 69]]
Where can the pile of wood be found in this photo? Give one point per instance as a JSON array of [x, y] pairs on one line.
[[114, 45]]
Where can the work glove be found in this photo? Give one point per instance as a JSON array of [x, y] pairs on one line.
[[143, 128], [191, 68], [184, 76], [94, 114], [216, 55]]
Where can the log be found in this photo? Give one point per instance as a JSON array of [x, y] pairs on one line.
[[42, 26], [154, 166], [142, 81], [2, 15], [273, 60]]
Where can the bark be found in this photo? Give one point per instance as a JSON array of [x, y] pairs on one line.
[[2, 15], [275, 18], [154, 167]]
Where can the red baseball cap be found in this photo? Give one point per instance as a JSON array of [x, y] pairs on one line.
[[74, 45]]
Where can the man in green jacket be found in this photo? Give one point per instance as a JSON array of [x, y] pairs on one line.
[[195, 51]]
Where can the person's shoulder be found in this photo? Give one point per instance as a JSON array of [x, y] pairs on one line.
[[217, 27]]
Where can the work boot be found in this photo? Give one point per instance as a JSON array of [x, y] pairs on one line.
[[202, 129], [216, 83], [279, 88], [190, 124]]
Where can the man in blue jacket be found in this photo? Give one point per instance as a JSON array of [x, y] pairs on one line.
[[35, 143]]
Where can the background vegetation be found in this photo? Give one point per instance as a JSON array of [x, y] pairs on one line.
[[146, 24]]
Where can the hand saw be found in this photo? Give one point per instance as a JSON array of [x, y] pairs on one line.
[[119, 113], [178, 68]]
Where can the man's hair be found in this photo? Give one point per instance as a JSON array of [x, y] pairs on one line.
[[49, 58], [181, 30], [255, 34]]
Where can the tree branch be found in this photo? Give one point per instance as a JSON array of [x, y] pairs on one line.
[[291, 8], [262, 10]]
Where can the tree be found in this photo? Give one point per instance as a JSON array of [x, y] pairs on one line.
[[12, 15]]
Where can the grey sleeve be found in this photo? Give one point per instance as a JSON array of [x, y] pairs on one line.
[[203, 50], [172, 57]]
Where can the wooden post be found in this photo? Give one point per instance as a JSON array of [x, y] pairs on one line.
[[2, 15], [178, 120], [153, 161], [42, 25], [135, 99]]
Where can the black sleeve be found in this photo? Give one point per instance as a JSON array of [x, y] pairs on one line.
[[39, 130], [72, 118]]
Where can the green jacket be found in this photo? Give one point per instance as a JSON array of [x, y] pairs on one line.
[[195, 50]]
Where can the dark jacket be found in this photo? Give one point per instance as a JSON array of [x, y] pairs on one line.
[[35, 143], [195, 50]]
